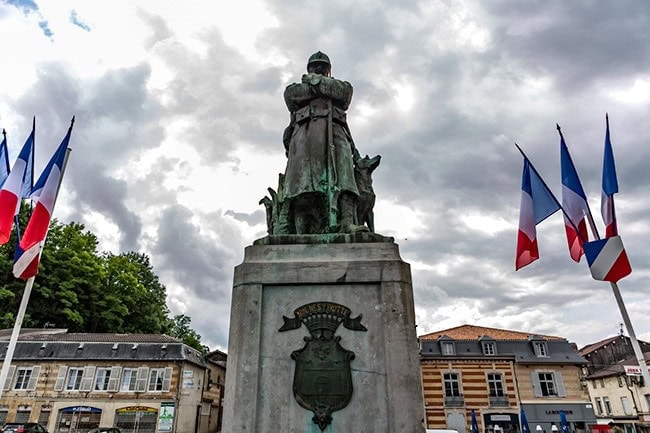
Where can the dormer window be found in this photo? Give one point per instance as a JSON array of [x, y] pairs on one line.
[[488, 345], [447, 346], [489, 348], [541, 349]]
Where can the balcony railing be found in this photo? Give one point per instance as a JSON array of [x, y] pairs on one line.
[[499, 401], [455, 401]]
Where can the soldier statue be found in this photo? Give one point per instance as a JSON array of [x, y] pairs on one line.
[[319, 183]]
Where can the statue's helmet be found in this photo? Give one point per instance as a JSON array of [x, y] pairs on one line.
[[319, 57]]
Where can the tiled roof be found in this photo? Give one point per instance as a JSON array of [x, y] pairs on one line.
[[45, 335], [472, 332], [597, 345]]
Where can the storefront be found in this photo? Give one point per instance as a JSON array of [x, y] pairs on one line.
[[501, 423], [136, 419], [545, 418], [78, 419]]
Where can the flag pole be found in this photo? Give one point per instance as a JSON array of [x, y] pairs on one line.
[[630, 330], [26, 293], [14, 334], [617, 293]]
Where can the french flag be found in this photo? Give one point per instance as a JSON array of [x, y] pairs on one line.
[[610, 187], [28, 251], [537, 204], [574, 203], [607, 259], [16, 186], [4, 158]]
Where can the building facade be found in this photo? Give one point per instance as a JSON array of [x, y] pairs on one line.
[[620, 397], [498, 373], [71, 383]]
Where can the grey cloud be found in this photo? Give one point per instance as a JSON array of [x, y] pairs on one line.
[[195, 261], [99, 192]]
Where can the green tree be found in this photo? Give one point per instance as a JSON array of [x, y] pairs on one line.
[[83, 290], [181, 330]]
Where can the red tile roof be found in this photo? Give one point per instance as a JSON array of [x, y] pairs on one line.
[[472, 332]]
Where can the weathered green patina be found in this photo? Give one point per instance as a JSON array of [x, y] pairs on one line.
[[327, 186]]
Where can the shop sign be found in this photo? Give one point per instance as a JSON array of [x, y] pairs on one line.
[[632, 370], [136, 409], [166, 416], [84, 409]]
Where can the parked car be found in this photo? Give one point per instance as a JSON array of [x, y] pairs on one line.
[[105, 430], [23, 427]]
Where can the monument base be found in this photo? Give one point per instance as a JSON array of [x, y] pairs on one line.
[[322, 338]]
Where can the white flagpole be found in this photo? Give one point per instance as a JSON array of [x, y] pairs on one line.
[[14, 334], [28, 290], [626, 318]]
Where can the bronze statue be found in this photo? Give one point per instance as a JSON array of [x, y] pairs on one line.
[[319, 193]]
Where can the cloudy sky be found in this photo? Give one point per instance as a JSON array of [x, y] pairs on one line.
[[180, 117]]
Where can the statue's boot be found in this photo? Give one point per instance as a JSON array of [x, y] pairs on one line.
[[347, 216]]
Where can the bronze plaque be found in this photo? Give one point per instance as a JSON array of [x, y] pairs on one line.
[[322, 382]]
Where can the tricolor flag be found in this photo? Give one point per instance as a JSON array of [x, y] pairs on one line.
[[607, 259], [28, 251], [610, 187], [4, 158], [16, 186], [574, 203], [537, 204]]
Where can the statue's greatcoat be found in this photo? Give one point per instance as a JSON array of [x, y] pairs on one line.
[[306, 139]]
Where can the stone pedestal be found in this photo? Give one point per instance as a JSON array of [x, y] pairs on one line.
[[371, 280]]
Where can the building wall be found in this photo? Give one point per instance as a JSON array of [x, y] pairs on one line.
[[474, 388], [185, 391], [615, 388], [570, 374]]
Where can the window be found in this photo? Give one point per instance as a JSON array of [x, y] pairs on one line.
[[129, 378], [608, 406], [602, 383], [620, 380], [22, 378], [495, 384], [447, 348], [452, 384], [489, 348], [102, 379], [541, 350], [626, 406], [74, 378], [156, 376], [599, 406], [547, 384]]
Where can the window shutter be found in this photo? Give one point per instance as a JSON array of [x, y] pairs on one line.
[[87, 379], [141, 382], [537, 389], [114, 379], [33, 379], [167, 380], [10, 377], [559, 383], [60, 378]]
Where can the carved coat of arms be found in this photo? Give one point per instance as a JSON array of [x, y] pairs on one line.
[[322, 382]]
